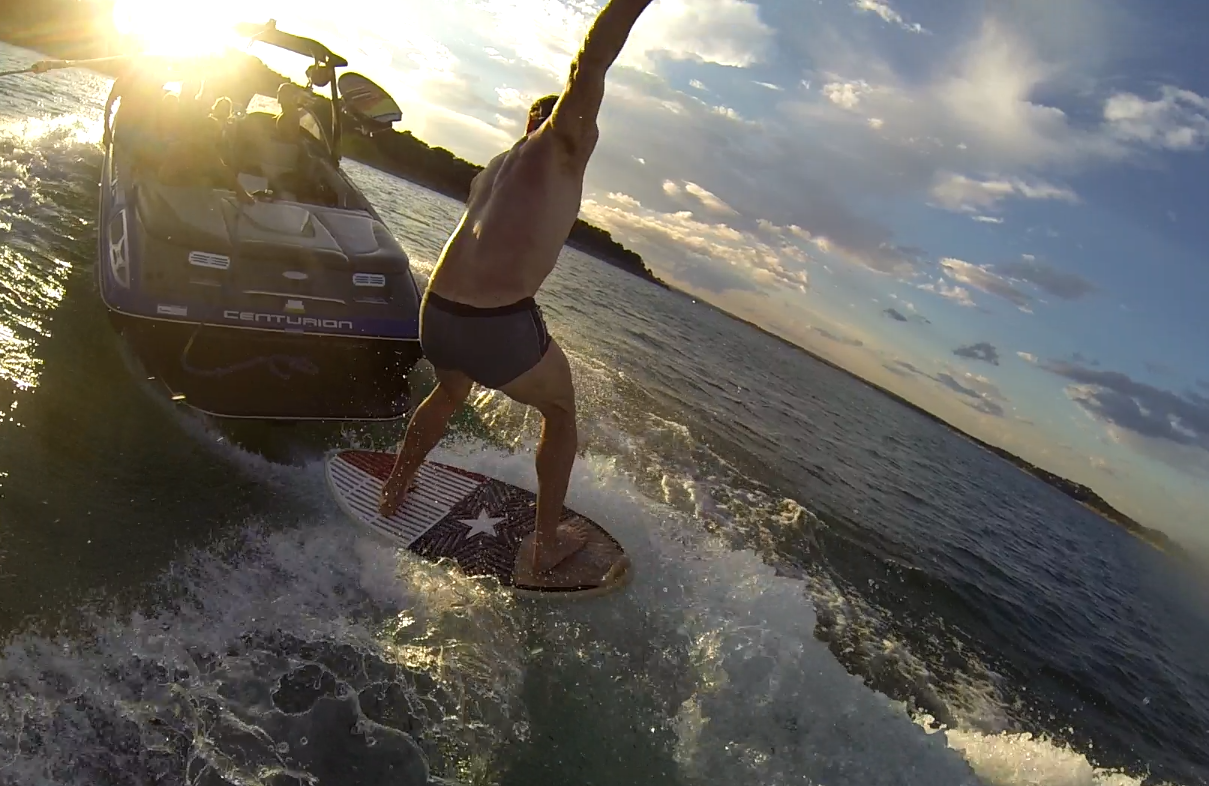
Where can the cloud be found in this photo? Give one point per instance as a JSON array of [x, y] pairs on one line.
[[903, 368], [1168, 426], [546, 34], [957, 294], [981, 351], [888, 14], [709, 199], [1000, 280], [751, 169], [710, 255], [980, 400], [723, 32], [977, 392], [852, 342], [987, 219], [1027, 357], [845, 94], [983, 121], [1100, 463], [1067, 286], [1176, 120], [894, 314], [959, 193], [982, 278], [624, 199]]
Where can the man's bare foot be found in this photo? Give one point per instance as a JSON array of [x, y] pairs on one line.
[[568, 540], [394, 491]]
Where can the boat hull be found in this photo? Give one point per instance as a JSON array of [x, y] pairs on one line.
[[230, 372]]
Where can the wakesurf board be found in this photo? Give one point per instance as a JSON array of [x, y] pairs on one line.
[[474, 520]]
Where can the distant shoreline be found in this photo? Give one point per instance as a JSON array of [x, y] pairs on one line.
[[401, 154], [1076, 491]]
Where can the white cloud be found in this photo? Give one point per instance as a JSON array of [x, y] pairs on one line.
[[987, 219], [546, 34], [958, 192], [725, 32], [707, 255], [1027, 357], [982, 111], [511, 98], [709, 199], [887, 14], [1177, 120], [845, 94], [624, 199], [960, 295], [981, 277]]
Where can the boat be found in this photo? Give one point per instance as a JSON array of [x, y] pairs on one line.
[[297, 304]]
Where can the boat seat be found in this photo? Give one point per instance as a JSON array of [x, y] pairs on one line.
[[189, 217]]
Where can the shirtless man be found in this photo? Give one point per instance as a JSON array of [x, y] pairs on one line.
[[478, 320]]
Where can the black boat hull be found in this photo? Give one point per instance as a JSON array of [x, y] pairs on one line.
[[240, 373]]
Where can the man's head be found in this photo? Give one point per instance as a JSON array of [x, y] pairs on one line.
[[289, 96], [541, 109]]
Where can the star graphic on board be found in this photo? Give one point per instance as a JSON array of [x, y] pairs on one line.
[[482, 525]]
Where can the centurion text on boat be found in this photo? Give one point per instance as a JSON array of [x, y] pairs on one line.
[[279, 319], [297, 304]]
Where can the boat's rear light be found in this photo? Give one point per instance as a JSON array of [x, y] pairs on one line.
[[369, 280]]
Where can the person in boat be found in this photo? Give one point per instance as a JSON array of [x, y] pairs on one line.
[[149, 150], [478, 319], [199, 155], [287, 122], [140, 93]]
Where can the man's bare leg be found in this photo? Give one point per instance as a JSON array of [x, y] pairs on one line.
[[424, 431], [548, 387]]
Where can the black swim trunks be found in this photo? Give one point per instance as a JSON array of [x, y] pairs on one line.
[[492, 346]]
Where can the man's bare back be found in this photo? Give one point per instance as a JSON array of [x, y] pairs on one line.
[[479, 321], [521, 209]]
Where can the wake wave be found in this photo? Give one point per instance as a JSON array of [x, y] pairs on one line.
[[313, 654]]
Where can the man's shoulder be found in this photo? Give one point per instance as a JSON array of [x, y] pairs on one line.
[[569, 152]]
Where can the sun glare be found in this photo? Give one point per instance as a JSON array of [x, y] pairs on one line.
[[180, 27]]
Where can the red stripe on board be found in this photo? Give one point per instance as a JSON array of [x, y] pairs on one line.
[[377, 464], [459, 471]]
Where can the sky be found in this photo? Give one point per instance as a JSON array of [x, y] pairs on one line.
[[990, 207]]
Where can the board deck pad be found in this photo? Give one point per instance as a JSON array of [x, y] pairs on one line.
[[473, 519]]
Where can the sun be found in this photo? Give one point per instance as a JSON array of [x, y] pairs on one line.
[[181, 27]]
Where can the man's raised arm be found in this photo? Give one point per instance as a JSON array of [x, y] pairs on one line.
[[574, 116]]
